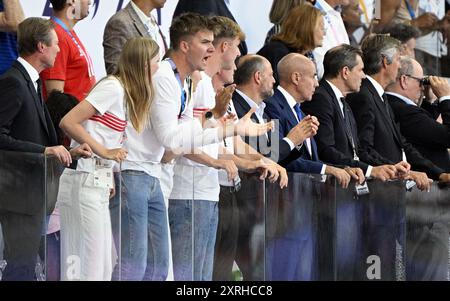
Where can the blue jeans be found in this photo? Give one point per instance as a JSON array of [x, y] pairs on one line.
[[144, 228], [193, 262]]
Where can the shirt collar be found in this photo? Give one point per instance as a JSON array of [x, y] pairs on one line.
[[259, 108], [377, 86], [336, 90], [290, 100], [405, 99], [142, 16], [34, 75]]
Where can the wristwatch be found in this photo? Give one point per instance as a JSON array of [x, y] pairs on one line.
[[208, 115]]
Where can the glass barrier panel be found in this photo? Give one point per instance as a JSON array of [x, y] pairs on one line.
[[300, 229], [427, 234], [22, 216]]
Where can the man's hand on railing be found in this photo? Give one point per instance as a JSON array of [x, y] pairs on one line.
[[61, 153], [384, 172], [444, 178], [341, 175], [82, 151], [421, 179], [356, 173]]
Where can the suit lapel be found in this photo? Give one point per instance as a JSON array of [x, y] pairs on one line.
[[337, 108], [32, 91], [380, 105], [290, 117], [137, 22], [245, 107]]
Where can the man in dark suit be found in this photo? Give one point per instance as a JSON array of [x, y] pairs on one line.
[[337, 137], [25, 126], [380, 137], [378, 133], [427, 243], [254, 80], [207, 8], [298, 82], [418, 125]]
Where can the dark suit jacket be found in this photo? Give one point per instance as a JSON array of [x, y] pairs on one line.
[[334, 143], [419, 127], [123, 25], [262, 144], [380, 136], [207, 8], [277, 107], [25, 124]]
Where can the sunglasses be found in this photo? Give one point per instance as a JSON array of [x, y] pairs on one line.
[[422, 81]]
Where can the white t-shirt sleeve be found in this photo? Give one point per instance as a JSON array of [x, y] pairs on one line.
[[164, 119], [106, 94]]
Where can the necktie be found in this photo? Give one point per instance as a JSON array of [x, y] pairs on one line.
[[39, 91], [300, 117], [386, 105], [298, 112], [348, 125]]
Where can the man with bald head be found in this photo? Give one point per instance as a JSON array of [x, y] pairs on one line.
[[254, 83], [298, 81]]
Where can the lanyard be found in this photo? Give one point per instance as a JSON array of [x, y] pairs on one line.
[[183, 92], [410, 10], [80, 49]]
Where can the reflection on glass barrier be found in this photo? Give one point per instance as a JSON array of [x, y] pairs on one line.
[[22, 211]]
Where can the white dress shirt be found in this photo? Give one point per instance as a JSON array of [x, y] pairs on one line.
[[34, 75]]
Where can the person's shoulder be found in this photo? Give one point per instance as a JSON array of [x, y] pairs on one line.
[[121, 16], [164, 71]]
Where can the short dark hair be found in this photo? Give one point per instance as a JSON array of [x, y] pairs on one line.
[[246, 67], [402, 32], [339, 57], [187, 24], [375, 47], [58, 4], [58, 105], [30, 32]]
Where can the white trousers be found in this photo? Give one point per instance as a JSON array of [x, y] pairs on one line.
[[86, 235]]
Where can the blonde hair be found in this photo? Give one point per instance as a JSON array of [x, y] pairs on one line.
[[297, 31], [134, 72]]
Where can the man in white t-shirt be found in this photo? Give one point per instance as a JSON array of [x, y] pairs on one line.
[[175, 127]]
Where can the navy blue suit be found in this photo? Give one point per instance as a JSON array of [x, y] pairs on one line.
[[277, 108]]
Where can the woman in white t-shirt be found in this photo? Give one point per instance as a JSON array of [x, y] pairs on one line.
[[100, 121]]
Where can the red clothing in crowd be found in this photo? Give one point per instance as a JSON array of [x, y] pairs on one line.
[[72, 65]]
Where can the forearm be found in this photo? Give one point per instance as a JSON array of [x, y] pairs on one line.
[[11, 16], [80, 135], [245, 151], [202, 158]]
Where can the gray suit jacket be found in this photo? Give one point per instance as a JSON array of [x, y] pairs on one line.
[[123, 25]]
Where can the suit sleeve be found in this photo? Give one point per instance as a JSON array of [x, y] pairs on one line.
[[285, 154], [11, 100], [114, 37], [364, 111]]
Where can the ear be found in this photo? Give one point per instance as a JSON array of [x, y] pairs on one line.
[[184, 46], [385, 62], [257, 77], [295, 78], [403, 83], [40, 47], [224, 46], [345, 72]]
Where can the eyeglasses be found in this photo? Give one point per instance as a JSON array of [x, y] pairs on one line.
[[419, 79]]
